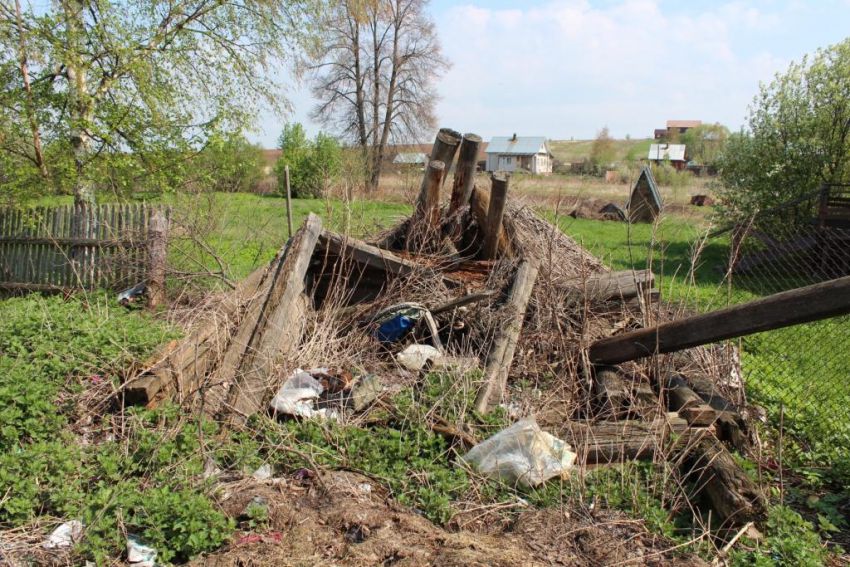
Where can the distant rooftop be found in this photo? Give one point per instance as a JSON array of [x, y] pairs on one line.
[[411, 158], [517, 145], [683, 123], [673, 152]]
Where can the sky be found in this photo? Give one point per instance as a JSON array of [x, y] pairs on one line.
[[564, 69]]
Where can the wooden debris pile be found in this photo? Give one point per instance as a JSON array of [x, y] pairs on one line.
[[507, 290]]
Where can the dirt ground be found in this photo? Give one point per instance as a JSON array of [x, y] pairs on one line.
[[347, 519]]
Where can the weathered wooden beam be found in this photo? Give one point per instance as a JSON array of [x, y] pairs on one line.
[[157, 247], [177, 367], [464, 178], [495, 212], [502, 352], [802, 305], [614, 285], [280, 325], [366, 253], [681, 398]]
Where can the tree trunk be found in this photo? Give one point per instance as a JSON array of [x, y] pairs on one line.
[[80, 106], [30, 106]]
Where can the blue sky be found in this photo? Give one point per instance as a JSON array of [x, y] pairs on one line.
[[566, 68]]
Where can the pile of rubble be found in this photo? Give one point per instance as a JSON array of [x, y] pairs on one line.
[[478, 282]]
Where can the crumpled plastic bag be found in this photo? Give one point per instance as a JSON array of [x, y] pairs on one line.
[[523, 453], [65, 535], [140, 554], [299, 393], [415, 357]]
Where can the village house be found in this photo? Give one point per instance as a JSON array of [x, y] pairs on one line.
[[515, 153], [675, 128], [673, 153]]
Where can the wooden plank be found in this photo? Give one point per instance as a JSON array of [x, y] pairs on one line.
[[811, 303], [608, 286], [495, 212], [501, 354], [367, 254], [280, 325], [464, 177]]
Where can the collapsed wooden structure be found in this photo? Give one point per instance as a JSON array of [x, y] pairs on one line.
[[238, 354]]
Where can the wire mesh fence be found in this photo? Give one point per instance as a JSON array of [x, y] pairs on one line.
[[798, 375]]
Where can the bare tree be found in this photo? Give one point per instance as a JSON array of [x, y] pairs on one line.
[[374, 75]]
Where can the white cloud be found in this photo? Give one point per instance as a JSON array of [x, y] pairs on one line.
[[568, 67]]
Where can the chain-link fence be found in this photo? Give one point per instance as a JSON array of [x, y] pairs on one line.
[[799, 375]]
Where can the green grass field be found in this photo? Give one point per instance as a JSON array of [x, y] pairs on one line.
[[569, 151]]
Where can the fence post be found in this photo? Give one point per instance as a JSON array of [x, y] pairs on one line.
[[157, 247], [288, 201]]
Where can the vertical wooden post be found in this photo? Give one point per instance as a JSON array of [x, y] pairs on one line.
[[495, 213], [501, 354], [445, 147], [426, 217], [157, 242], [464, 178], [288, 201], [431, 189]]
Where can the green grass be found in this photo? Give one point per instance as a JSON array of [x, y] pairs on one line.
[[570, 151]]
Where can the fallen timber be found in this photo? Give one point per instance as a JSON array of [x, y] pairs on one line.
[[235, 368], [811, 303]]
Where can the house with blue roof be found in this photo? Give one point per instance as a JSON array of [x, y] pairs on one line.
[[519, 153]]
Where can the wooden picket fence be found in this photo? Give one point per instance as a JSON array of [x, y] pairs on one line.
[[108, 246]]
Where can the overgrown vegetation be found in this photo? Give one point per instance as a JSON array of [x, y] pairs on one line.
[[313, 164], [796, 137]]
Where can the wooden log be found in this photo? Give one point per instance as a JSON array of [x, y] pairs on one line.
[[280, 325], [618, 441], [479, 204], [802, 305], [614, 285], [495, 212], [502, 352], [158, 246], [610, 392], [733, 496], [425, 223], [679, 395], [445, 147], [464, 178], [729, 424]]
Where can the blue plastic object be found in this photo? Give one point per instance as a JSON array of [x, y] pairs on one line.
[[394, 329]]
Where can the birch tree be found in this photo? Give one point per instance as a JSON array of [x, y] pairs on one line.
[[140, 79], [374, 75]]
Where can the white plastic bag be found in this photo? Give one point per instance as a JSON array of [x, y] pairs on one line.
[[139, 554], [65, 535], [298, 395], [522, 453], [415, 357]]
